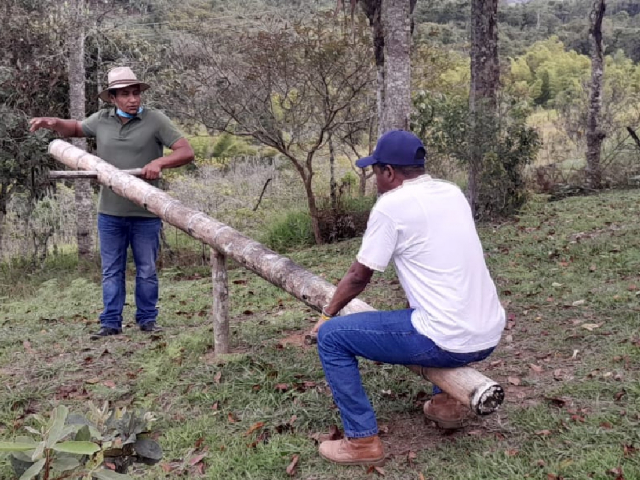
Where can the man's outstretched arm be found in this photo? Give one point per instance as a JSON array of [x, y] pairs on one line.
[[66, 128]]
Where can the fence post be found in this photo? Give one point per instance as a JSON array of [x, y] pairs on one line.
[[220, 307]]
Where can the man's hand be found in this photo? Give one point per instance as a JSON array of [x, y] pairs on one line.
[[151, 171], [323, 318], [42, 122]]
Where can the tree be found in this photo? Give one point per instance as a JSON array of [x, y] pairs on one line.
[[290, 87], [483, 92], [77, 75], [32, 83], [595, 135], [391, 26]]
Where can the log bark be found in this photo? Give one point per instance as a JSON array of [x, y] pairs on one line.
[[276, 269], [75, 174], [595, 135], [220, 311]]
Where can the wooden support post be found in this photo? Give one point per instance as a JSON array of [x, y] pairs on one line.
[[220, 309]]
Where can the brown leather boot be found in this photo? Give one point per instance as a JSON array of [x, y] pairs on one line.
[[354, 451], [446, 411]]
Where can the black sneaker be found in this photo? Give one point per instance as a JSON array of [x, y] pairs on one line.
[[151, 327], [105, 332]]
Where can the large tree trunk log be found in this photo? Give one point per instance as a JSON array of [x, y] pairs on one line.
[[276, 269], [83, 190], [595, 135]]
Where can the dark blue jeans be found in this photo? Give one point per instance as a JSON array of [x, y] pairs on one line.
[[116, 234], [387, 337]]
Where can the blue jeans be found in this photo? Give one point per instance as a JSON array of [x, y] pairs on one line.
[[116, 234], [387, 337]]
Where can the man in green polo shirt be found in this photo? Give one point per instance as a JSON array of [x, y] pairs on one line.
[[127, 136]]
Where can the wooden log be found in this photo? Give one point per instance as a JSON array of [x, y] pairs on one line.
[[464, 383], [73, 174], [220, 308]]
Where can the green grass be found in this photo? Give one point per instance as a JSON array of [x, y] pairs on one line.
[[559, 266]]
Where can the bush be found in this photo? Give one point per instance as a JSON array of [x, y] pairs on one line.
[[293, 229]]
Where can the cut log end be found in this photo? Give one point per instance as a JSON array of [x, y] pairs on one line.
[[487, 398]]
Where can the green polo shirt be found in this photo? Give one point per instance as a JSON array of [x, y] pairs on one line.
[[130, 145]]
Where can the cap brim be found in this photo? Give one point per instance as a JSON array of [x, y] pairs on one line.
[[366, 162]]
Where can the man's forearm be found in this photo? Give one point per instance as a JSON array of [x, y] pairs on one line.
[[177, 158], [351, 285], [68, 128]]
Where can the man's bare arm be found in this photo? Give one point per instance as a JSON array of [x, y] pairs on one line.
[[66, 128], [351, 285], [181, 155]]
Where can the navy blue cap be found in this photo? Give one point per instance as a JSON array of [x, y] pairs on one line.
[[396, 147]]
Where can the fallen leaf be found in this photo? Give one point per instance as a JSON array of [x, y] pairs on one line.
[[514, 381], [215, 406], [557, 401], [619, 395], [557, 374], [421, 477], [629, 450], [109, 383], [27, 347], [577, 303], [511, 452], [254, 427], [217, 377], [543, 433], [535, 368], [231, 418], [411, 456], [198, 443], [197, 459], [575, 354], [606, 425], [591, 326], [619, 474], [496, 363], [291, 469], [282, 387]]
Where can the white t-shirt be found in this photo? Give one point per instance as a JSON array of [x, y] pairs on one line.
[[426, 227]]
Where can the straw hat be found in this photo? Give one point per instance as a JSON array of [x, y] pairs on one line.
[[121, 77]]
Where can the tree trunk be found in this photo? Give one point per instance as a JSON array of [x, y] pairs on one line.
[[313, 211], [483, 93], [482, 395], [595, 135], [396, 22], [83, 190], [333, 185]]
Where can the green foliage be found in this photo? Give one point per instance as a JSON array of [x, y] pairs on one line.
[[292, 230], [444, 124], [289, 231], [53, 455]]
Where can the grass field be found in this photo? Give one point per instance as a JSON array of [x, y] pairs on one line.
[[569, 277]]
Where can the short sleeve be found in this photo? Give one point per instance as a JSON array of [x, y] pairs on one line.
[[378, 242], [167, 133], [90, 125]]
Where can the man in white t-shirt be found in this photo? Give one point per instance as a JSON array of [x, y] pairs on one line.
[[455, 317]]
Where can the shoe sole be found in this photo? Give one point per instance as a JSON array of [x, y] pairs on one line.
[[379, 462], [447, 424]]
